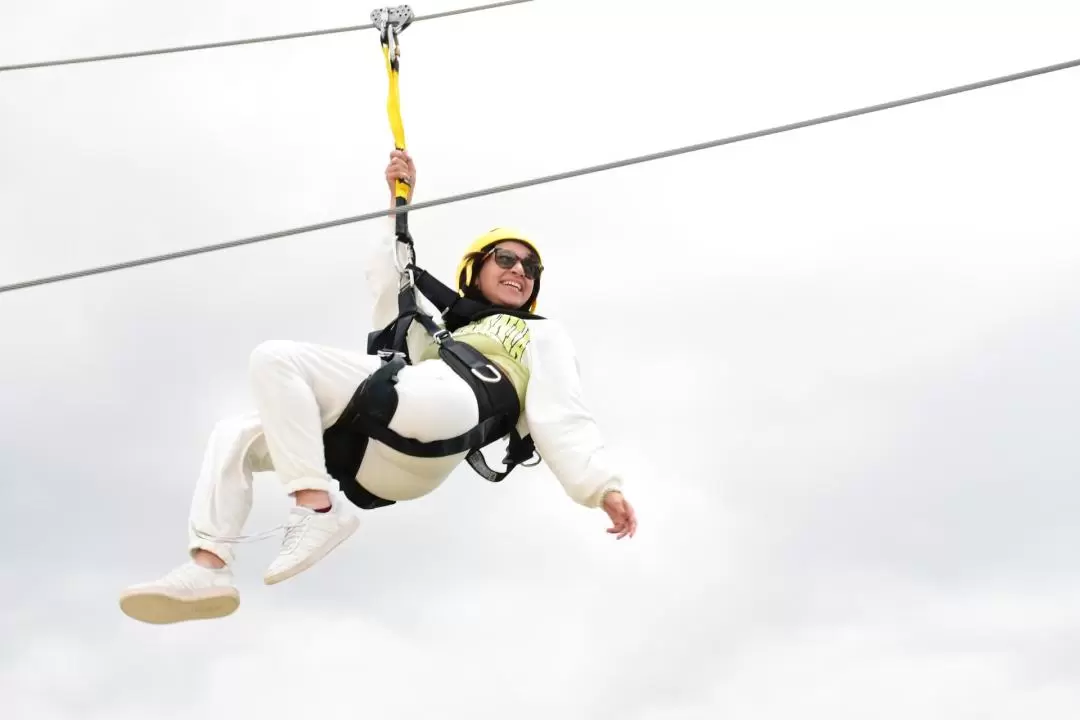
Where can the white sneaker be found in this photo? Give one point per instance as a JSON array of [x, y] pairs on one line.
[[188, 592], [309, 537]]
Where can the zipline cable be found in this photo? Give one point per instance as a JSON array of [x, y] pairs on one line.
[[249, 41], [546, 179]]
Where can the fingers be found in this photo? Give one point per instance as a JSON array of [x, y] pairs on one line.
[[623, 518], [401, 167], [397, 169], [624, 521], [402, 159]]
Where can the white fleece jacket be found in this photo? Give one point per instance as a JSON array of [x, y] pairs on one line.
[[564, 431]]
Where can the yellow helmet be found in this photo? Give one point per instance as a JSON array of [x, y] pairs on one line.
[[482, 244]]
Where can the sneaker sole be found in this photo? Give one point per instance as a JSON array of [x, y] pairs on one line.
[[342, 535], [162, 609]]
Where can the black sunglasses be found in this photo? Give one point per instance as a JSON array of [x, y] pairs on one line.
[[506, 259]]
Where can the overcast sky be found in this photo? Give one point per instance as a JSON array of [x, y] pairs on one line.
[[840, 364]]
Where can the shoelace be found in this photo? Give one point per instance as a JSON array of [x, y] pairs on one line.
[[293, 534], [289, 528]]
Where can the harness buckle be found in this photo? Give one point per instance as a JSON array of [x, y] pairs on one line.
[[441, 335], [495, 377], [388, 356]]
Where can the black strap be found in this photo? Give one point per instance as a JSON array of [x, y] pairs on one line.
[[519, 450], [486, 432], [406, 310], [401, 220], [344, 447], [493, 398], [496, 398], [440, 295], [497, 402], [457, 310]]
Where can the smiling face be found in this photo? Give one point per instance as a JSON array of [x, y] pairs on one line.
[[509, 287]]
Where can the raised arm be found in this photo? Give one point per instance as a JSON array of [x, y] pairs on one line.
[[381, 270]]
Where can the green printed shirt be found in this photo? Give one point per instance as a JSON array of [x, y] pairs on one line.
[[503, 340]]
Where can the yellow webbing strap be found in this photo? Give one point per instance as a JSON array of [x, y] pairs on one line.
[[391, 21], [393, 110]]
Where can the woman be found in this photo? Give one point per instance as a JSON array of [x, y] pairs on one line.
[[300, 390]]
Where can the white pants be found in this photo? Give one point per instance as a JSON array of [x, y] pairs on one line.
[[300, 389]]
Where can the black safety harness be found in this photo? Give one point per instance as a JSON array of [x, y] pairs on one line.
[[368, 413]]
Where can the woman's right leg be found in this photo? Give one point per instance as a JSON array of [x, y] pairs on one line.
[[299, 389], [223, 493], [203, 587]]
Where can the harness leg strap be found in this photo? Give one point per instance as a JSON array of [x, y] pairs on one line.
[[344, 444]]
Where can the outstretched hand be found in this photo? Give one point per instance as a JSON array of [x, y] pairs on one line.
[[623, 519]]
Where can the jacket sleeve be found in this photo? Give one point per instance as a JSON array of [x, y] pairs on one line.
[[563, 428], [383, 280]]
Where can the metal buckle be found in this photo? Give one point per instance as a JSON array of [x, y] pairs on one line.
[[496, 375], [404, 269], [388, 356], [441, 336]]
